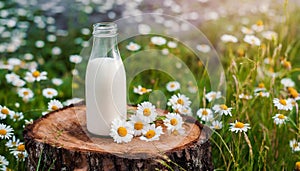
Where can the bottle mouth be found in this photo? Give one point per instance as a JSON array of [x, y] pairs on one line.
[[105, 29]]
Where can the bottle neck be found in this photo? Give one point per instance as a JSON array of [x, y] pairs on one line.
[[105, 46]]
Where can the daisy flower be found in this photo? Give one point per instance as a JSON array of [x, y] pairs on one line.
[[174, 123], [19, 152], [270, 35], [172, 44], [25, 93], [157, 40], [287, 82], [4, 111], [18, 83], [279, 119], [222, 109], [213, 95], [228, 38], [54, 105], [49, 93], [216, 125], [246, 30], [252, 40], [3, 161], [14, 142], [138, 124], [261, 87], [262, 94], [239, 127], [5, 131], [151, 133], [179, 99], [121, 131], [16, 116], [146, 111], [35, 75], [57, 81], [204, 48], [283, 104], [245, 96], [11, 77], [295, 145], [133, 46], [76, 59], [184, 110], [258, 27], [173, 86], [205, 114], [141, 90]]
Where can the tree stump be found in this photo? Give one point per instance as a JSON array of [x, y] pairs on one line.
[[60, 141]]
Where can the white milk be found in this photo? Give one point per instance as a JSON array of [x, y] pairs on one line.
[[105, 94]]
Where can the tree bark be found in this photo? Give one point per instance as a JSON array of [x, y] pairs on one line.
[[60, 141]]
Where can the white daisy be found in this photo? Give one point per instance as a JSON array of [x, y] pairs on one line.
[[258, 27], [151, 133], [270, 35], [56, 50], [146, 111], [76, 59], [204, 48], [157, 40], [205, 114], [287, 82], [138, 124], [16, 116], [245, 96], [5, 131], [4, 112], [213, 95], [57, 81], [3, 161], [239, 127], [252, 40], [222, 109], [228, 38], [262, 94], [279, 119], [49, 93], [11, 77], [35, 75], [39, 44], [184, 110], [25, 93], [174, 123], [295, 145], [13, 142], [54, 105], [141, 90], [19, 152], [173, 86], [18, 83], [283, 104], [133, 46], [246, 30], [216, 125], [179, 99], [172, 44], [121, 131], [261, 87]]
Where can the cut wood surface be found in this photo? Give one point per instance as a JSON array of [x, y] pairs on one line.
[[60, 141]]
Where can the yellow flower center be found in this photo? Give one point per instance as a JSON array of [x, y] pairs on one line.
[[172, 85], [216, 127], [36, 74], [204, 112], [4, 111], [20, 156], [295, 145], [286, 64], [54, 107], [283, 102], [150, 134], [122, 131], [49, 92], [223, 107], [261, 85], [138, 125], [259, 23], [3, 132], [147, 112], [16, 116], [297, 166], [174, 121], [21, 147], [261, 94], [281, 116], [25, 93], [180, 101], [239, 125]]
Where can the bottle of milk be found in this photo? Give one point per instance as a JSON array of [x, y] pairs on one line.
[[105, 81]]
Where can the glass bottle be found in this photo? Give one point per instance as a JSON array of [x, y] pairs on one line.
[[105, 81]]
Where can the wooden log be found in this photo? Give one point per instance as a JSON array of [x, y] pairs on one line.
[[60, 141]]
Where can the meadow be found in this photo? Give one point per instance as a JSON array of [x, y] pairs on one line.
[[253, 112]]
